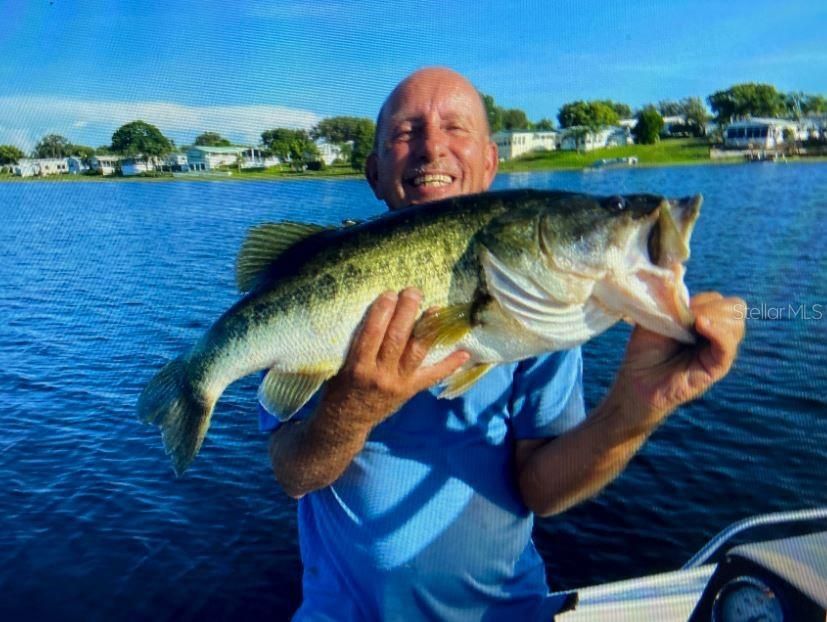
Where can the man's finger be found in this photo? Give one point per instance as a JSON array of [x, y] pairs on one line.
[[724, 329], [703, 298], [368, 339], [417, 348], [400, 326]]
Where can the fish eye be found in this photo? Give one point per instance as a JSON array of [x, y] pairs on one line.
[[616, 203]]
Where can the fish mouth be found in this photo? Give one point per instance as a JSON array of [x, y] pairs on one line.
[[652, 293]]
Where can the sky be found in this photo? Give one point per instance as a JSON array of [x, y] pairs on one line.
[[82, 68]]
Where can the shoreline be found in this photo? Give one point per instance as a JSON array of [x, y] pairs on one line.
[[355, 175]]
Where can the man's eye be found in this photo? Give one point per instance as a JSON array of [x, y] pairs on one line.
[[402, 134]]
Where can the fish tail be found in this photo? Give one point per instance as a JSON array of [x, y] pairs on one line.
[[175, 404]]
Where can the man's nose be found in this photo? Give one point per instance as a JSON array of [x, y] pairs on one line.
[[433, 143]]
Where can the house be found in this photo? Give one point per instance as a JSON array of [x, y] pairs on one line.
[[583, 139], [761, 133], [77, 165], [105, 164], [512, 144], [252, 157], [176, 162], [29, 167], [203, 158], [330, 152], [136, 166]]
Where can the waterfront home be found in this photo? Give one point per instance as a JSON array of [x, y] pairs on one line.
[[136, 166], [202, 158], [30, 167], [176, 162], [105, 164], [252, 157], [330, 152], [513, 144], [760, 133], [583, 139], [77, 165]]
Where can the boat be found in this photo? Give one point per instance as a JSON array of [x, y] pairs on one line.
[[612, 163], [780, 580]]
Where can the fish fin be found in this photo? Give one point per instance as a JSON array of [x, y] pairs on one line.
[[459, 382], [565, 323], [264, 244], [283, 393], [174, 404], [445, 326]]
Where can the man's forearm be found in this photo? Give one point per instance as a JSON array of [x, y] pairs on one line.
[[575, 466], [312, 454]]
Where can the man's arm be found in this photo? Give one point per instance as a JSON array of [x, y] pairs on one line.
[[381, 372], [656, 376]]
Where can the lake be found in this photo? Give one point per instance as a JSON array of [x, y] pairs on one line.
[[104, 282]]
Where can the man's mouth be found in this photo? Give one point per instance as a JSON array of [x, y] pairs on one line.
[[433, 180]]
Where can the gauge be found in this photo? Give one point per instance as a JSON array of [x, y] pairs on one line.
[[747, 599]]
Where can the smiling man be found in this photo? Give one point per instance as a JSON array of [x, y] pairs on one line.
[[417, 508]]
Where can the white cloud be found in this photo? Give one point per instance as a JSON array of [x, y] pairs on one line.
[[25, 119]]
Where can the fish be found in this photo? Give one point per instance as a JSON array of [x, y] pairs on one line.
[[512, 274]]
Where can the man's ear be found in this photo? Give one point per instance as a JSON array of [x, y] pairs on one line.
[[492, 162], [372, 174]]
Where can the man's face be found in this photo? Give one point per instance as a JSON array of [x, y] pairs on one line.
[[433, 142]]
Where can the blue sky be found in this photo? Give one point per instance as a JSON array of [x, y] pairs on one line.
[[81, 69]]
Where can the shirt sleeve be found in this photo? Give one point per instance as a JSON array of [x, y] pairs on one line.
[[547, 395]]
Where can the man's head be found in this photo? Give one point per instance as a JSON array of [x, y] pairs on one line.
[[432, 141]]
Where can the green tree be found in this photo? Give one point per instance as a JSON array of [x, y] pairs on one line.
[[342, 130], [623, 111], [494, 113], [211, 139], [592, 114], [693, 109], [82, 151], [649, 125], [544, 124], [9, 154], [813, 104], [757, 100], [669, 108], [52, 146], [293, 146], [515, 119], [139, 138]]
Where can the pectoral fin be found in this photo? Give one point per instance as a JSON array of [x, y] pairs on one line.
[[446, 326], [459, 382], [263, 246], [283, 393]]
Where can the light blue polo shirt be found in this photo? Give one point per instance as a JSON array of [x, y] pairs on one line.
[[426, 523]]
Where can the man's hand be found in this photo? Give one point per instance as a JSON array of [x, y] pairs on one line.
[[382, 371], [383, 368], [659, 374]]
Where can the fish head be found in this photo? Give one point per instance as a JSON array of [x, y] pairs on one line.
[[633, 248]]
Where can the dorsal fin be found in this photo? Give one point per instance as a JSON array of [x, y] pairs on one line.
[[264, 244]]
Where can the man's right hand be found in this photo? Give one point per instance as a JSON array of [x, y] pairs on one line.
[[383, 370]]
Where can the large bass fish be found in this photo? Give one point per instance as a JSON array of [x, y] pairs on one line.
[[514, 273]]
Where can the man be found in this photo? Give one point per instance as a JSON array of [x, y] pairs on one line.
[[417, 508]]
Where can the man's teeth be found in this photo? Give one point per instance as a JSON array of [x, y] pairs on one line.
[[431, 180]]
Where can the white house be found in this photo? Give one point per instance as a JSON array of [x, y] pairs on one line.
[[582, 138], [760, 133], [136, 166], [252, 157], [29, 167], [330, 152], [105, 164], [202, 158], [176, 162], [512, 144]]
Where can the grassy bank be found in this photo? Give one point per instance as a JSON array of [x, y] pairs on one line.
[[677, 151]]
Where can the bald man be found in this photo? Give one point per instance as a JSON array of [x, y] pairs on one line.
[[414, 508]]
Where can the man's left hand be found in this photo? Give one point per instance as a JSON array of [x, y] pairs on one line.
[[659, 374]]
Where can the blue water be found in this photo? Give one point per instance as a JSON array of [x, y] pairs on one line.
[[104, 282]]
